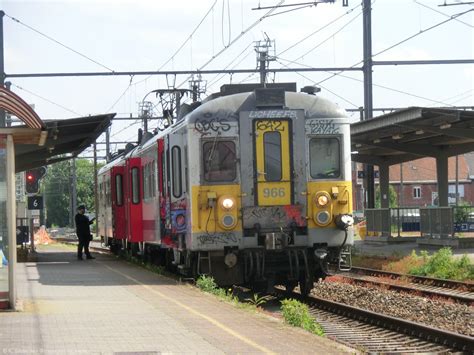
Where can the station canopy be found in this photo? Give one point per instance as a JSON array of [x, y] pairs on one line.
[[411, 134], [65, 139]]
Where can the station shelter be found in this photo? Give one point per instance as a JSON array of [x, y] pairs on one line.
[[407, 135], [33, 143]]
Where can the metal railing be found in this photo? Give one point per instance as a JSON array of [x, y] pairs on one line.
[[436, 222], [432, 222]]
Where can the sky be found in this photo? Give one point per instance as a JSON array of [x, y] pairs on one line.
[[138, 35]]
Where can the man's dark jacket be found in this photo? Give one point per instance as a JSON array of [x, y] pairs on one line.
[[83, 230]]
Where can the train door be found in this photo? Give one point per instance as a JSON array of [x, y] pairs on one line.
[[101, 217], [118, 203], [134, 200], [178, 188], [273, 162]]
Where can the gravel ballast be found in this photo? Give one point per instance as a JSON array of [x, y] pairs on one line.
[[443, 315]]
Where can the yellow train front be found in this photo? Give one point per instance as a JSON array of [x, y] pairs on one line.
[[269, 192]]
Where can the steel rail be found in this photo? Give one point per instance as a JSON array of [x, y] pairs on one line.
[[452, 284], [443, 337], [439, 292]]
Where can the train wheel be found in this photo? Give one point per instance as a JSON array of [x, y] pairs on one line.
[[306, 284], [290, 285]]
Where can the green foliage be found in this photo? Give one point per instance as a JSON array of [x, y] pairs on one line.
[[206, 284], [256, 300], [392, 197], [57, 190], [297, 315], [443, 265], [461, 212]]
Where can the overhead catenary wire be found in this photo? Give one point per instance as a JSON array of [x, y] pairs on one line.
[[184, 42], [319, 30], [325, 88], [59, 43], [374, 84], [330, 37], [441, 13], [240, 35], [170, 59], [399, 43], [47, 100]]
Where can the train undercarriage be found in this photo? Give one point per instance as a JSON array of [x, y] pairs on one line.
[[257, 268]]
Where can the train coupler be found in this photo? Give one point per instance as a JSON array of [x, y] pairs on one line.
[[345, 260]]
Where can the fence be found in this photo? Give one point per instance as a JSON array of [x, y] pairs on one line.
[[432, 222]]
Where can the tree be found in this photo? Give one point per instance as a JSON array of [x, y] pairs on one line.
[[57, 190], [392, 197]]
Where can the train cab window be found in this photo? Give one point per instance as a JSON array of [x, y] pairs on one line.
[[219, 161], [135, 186], [272, 155], [118, 190], [325, 158], [177, 175]]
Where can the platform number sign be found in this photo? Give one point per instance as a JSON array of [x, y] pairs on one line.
[[35, 202]]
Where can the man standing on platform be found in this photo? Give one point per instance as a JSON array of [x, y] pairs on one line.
[[83, 232]]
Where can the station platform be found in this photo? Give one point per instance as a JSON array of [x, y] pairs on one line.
[[109, 306]]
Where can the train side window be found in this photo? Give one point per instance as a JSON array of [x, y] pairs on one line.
[[325, 158], [272, 154], [118, 190], [145, 181], [176, 167], [153, 179], [135, 186], [219, 161]]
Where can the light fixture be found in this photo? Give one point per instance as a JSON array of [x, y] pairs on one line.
[[376, 141], [445, 125], [358, 145], [420, 131], [397, 136]]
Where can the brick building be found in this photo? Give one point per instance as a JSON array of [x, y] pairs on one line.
[[415, 182]]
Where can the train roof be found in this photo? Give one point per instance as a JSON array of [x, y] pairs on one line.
[[229, 106]]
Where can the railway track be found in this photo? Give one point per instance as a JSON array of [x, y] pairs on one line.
[[374, 332], [457, 291]]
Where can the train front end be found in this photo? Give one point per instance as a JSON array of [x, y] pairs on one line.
[[285, 214]]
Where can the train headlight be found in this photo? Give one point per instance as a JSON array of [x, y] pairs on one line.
[[322, 218], [322, 199], [228, 221], [227, 202], [227, 212]]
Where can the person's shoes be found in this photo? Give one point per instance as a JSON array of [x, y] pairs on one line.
[[79, 258], [89, 257]]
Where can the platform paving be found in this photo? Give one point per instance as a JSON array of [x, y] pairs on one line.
[[108, 306]]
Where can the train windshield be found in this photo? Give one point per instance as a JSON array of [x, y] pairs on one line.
[[325, 158], [219, 161]]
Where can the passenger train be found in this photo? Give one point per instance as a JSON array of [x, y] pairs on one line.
[[252, 186]]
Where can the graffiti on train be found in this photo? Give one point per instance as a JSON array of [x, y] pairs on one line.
[[323, 127], [224, 238]]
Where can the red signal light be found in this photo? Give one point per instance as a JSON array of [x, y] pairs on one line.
[[29, 177]]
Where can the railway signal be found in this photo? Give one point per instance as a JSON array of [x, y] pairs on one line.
[[32, 179]]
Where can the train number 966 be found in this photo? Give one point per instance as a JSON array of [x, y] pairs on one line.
[[274, 192]]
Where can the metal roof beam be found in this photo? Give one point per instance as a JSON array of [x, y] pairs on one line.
[[453, 132], [407, 148]]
